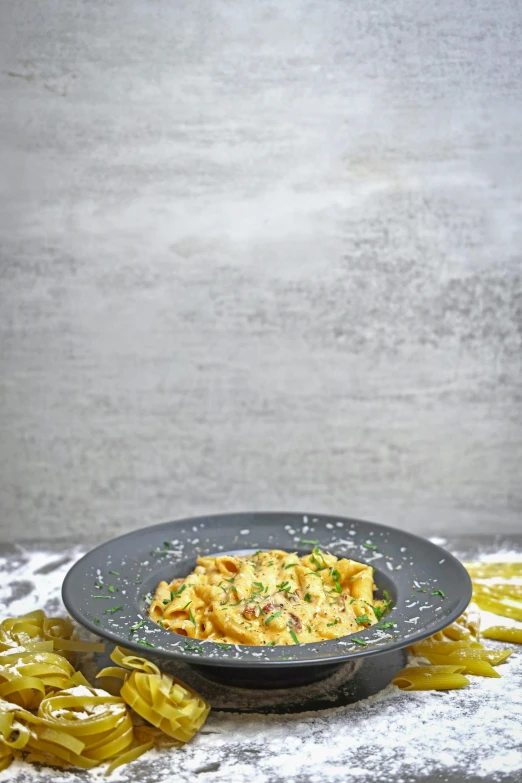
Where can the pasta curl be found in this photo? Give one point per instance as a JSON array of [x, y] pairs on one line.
[[162, 700]]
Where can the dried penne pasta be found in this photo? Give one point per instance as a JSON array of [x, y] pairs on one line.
[[427, 678], [503, 634]]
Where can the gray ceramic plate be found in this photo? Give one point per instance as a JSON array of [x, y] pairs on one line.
[[107, 590]]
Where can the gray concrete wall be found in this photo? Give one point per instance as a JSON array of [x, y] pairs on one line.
[[260, 255]]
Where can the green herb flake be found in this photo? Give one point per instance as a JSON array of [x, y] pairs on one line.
[[225, 646], [96, 620], [370, 546], [316, 562], [385, 625], [98, 585], [191, 618], [378, 612], [294, 637], [166, 544], [138, 625], [116, 573], [144, 643], [272, 617], [291, 565], [184, 607], [271, 644], [363, 618], [439, 592], [386, 596], [329, 625], [359, 641], [100, 596], [113, 609], [308, 598], [138, 582], [110, 589], [311, 541], [191, 647], [308, 629]]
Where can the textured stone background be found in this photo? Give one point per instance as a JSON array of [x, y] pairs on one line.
[[260, 255]]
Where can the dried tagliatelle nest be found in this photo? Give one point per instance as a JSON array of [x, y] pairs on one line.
[[50, 714]]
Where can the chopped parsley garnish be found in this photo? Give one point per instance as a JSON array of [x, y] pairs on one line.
[[294, 637], [370, 546], [114, 609], [191, 618], [138, 625], [166, 601], [271, 644], [225, 646], [363, 618], [98, 585], [159, 551], [271, 563], [144, 643], [353, 600], [181, 589], [359, 641], [193, 647], [160, 623], [311, 541], [291, 565], [138, 582], [236, 603], [284, 587], [272, 617], [378, 612], [308, 629], [184, 607], [96, 620], [230, 580], [316, 562], [385, 625], [439, 592], [329, 625], [314, 573], [307, 598], [116, 573], [110, 589], [386, 596], [259, 552], [100, 596]]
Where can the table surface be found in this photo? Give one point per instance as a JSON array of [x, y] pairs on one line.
[[309, 741], [260, 255]]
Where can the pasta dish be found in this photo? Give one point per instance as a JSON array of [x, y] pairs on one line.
[[269, 598]]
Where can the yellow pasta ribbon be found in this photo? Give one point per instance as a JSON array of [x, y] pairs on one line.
[[52, 715], [162, 700]]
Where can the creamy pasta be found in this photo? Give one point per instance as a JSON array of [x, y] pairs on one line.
[[268, 598]]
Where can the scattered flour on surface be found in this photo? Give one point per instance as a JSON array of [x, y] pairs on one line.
[[393, 736]]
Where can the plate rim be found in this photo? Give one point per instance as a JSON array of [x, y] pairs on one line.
[[220, 660]]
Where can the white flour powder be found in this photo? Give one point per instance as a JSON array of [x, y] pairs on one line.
[[394, 736]]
